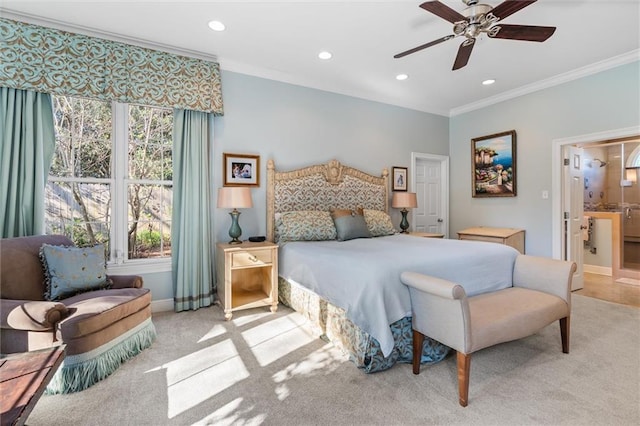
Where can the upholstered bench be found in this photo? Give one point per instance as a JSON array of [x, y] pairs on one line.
[[101, 328], [540, 294]]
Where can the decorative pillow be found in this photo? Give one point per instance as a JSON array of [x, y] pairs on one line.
[[37, 315], [73, 270], [349, 225], [379, 223], [305, 225]]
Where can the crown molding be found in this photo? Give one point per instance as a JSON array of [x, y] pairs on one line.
[[595, 68]]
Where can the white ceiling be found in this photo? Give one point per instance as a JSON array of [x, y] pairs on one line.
[[280, 40]]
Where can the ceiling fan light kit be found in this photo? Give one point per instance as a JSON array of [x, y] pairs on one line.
[[477, 19]]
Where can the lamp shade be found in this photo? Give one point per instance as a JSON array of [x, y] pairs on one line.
[[234, 197], [404, 200]]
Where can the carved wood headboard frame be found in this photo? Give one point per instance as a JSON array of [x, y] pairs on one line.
[[322, 187]]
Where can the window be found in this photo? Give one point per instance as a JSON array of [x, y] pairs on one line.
[[111, 177]]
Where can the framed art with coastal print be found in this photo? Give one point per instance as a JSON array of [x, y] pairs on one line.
[[493, 165]]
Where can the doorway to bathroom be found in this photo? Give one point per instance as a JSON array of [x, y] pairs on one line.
[[610, 227], [612, 203], [569, 197]]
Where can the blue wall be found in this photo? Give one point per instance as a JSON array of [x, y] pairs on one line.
[[297, 126], [601, 102]]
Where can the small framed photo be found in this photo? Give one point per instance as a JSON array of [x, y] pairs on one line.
[[241, 169], [493, 165], [400, 182]]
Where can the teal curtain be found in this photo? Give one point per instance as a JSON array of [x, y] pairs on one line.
[[191, 240], [27, 145]]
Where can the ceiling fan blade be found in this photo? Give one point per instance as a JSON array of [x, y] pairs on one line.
[[423, 46], [464, 52], [521, 32], [443, 11], [510, 7]]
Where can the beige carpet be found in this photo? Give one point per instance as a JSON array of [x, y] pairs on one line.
[[264, 368]]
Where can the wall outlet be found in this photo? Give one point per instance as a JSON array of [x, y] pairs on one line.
[[545, 194]]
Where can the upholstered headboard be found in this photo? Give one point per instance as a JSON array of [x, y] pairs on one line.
[[322, 187]]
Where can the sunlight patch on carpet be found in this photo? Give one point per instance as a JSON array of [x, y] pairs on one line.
[[196, 377], [216, 331], [323, 361], [275, 339], [232, 414], [249, 318]]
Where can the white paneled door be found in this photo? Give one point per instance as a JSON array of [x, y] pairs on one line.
[[430, 183], [574, 211]]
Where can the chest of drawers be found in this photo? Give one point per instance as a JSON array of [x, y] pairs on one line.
[[513, 237]]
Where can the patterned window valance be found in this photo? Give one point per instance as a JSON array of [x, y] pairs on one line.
[[53, 61]]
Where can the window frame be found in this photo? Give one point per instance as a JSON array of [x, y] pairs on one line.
[[119, 183]]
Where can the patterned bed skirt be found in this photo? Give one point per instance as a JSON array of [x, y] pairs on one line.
[[331, 323]]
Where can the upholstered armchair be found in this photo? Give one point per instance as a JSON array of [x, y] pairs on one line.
[[101, 328], [540, 295]]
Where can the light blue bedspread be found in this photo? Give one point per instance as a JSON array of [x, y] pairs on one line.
[[362, 276]]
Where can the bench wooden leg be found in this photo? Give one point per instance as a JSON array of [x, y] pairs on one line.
[[565, 324], [464, 368], [418, 341]]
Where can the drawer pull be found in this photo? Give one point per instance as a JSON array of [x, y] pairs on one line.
[[253, 258]]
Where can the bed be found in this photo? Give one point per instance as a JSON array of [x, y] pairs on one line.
[[349, 288]]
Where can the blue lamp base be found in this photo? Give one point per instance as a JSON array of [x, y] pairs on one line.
[[235, 231]]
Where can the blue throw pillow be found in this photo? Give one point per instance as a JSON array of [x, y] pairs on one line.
[[350, 226], [73, 270]]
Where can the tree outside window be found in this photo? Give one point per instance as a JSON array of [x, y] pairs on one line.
[[104, 188]]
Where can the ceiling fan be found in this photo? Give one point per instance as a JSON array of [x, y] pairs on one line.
[[477, 19]]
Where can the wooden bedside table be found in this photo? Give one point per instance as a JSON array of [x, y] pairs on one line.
[[247, 276], [509, 236], [426, 235]]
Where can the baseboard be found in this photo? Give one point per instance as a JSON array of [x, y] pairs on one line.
[[161, 305], [600, 270]]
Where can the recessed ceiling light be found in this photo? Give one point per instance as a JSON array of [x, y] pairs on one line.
[[488, 82], [216, 26], [402, 77], [325, 55]]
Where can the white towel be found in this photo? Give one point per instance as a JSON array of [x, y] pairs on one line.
[[585, 228]]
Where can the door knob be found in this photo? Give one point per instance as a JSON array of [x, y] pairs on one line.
[[440, 220]]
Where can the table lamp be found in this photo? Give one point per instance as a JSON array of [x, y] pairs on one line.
[[404, 201], [234, 197]]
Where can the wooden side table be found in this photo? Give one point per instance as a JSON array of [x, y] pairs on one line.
[[426, 235], [513, 237], [247, 276], [23, 379]]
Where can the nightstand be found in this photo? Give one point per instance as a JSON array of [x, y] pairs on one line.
[[513, 237], [426, 235], [247, 276]]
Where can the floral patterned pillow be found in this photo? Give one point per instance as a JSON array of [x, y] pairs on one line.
[[378, 222], [305, 225]]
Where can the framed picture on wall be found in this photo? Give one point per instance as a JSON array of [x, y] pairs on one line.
[[493, 165], [241, 169], [399, 176]]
